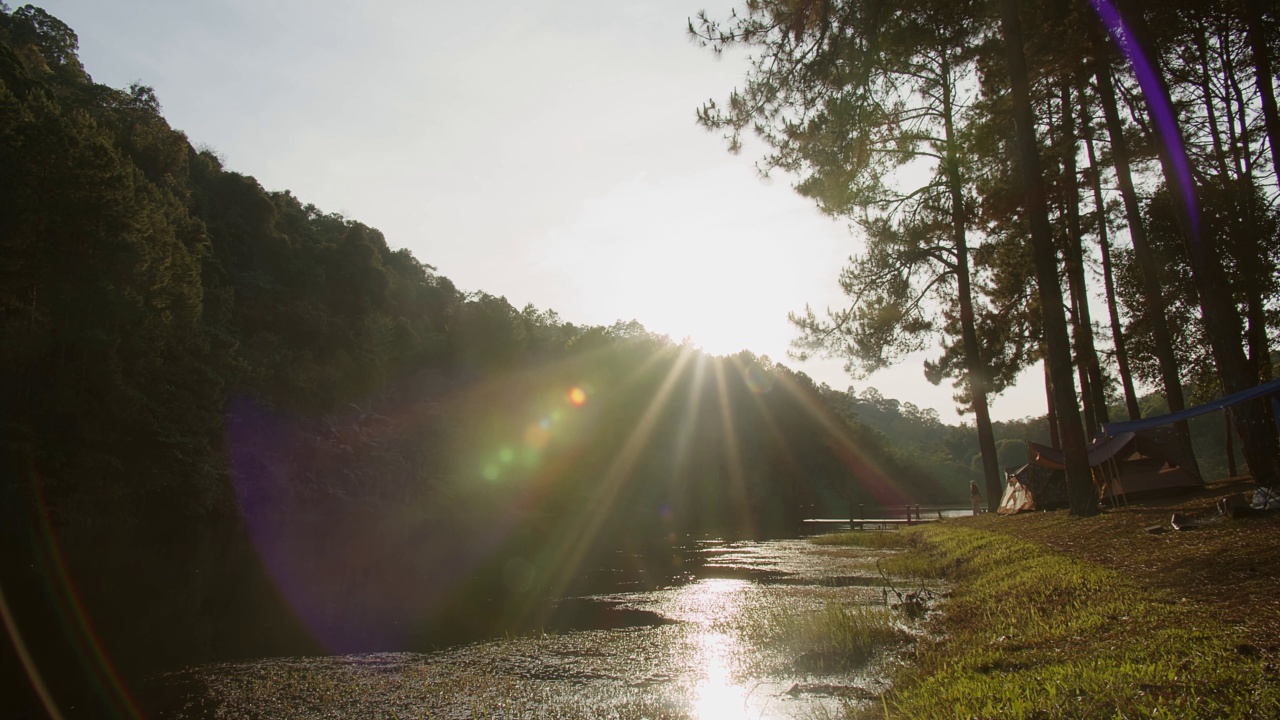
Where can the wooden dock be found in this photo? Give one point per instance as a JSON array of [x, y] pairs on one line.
[[820, 524], [891, 517]]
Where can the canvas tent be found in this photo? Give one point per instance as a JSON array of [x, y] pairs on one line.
[[1129, 465], [1033, 487]]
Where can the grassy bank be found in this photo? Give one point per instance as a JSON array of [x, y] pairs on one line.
[[1042, 621]]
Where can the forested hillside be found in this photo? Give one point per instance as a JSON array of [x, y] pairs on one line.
[[217, 395]]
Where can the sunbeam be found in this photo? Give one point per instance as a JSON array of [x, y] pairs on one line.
[[868, 474], [733, 453], [597, 512]]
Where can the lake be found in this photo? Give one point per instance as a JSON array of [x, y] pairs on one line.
[[691, 642]]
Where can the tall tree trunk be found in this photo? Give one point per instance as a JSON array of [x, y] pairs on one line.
[[1254, 267], [1109, 284], [1211, 113], [1231, 446], [1086, 392], [1083, 495], [1217, 304], [1086, 353], [1153, 294], [1055, 438], [1259, 343], [975, 367], [1253, 10], [1237, 136]]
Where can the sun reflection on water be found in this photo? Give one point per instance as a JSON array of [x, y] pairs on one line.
[[716, 695]]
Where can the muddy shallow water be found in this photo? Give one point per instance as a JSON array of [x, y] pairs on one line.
[[697, 649]]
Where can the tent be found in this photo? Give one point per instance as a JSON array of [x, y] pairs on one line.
[[1133, 459], [1033, 487], [1130, 465]]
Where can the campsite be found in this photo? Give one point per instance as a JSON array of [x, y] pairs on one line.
[[1130, 461]]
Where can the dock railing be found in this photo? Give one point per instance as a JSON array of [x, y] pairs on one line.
[[862, 517]]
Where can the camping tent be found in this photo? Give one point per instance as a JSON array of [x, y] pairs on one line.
[[1137, 458], [1129, 465], [1033, 487]]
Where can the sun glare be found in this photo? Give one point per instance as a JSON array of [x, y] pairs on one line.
[[717, 696], [578, 397]]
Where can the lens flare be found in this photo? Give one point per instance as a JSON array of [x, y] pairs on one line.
[[529, 458], [536, 436], [577, 397], [1165, 119]]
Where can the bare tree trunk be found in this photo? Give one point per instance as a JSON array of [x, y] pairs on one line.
[[1086, 392], [975, 367], [1254, 268], [1083, 495], [1263, 75], [1091, 383], [1055, 438], [1211, 113], [1231, 445], [1109, 284]]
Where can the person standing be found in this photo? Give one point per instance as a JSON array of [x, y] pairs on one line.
[[976, 496]]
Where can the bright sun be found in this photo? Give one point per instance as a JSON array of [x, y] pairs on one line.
[[716, 257]]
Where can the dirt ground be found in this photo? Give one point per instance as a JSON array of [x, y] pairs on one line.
[[1230, 567]]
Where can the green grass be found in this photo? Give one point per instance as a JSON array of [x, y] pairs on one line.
[[1029, 633]]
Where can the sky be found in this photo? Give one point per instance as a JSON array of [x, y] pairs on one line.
[[545, 152]]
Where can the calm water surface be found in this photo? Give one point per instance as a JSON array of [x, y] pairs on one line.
[[698, 648]]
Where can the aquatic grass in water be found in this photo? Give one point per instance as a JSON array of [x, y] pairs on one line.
[[839, 635], [1029, 633]]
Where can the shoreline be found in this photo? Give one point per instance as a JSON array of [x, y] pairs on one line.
[[1050, 615]]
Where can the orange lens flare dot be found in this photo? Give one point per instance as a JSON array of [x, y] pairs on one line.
[[578, 397]]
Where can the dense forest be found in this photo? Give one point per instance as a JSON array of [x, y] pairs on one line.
[[222, 402], [1091, 184]]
